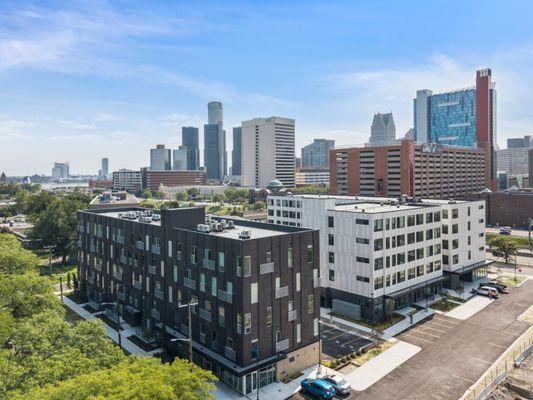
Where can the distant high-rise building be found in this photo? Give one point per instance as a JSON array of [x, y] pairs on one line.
[[160, 158], [179, 159], [513, 161], [316, 154], [409, 135], [236, 153], [383, 130], [215, 158], [520, 143], [189, 139], [3, 178], [127, 179], [531, 168], [105, 168], [60, 171], [267, 151], [464, 117]]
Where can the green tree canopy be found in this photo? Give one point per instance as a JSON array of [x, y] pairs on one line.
[[504, 247], [14, 259], [182, 196]]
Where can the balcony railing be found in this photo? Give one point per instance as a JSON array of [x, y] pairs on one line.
[[266, 268], [100, 234], [123, 259], [202, 337], [282, 292], [156, 249], [205, 314], [135, 263], [209, 264], [225, 296], [139, 245], [159, 294], [293, 314], [178, 254], [98, 266], [80, 243], [121, 296], [119, 239], [190, 283], [155, 314], [92, 248], [117, 275], [282, 345], [202, 287], [152, 269], [317, 282], [137, 284], [230, 354]]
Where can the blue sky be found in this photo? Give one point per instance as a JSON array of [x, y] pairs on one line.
[[84, 80]]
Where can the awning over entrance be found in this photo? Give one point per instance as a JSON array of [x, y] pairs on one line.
[[470, 268], [410, 289]]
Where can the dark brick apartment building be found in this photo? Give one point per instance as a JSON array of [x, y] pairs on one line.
[[256, 285]]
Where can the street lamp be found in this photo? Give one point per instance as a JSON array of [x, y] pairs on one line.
[[190, 304], [118, 321], [319, 369]]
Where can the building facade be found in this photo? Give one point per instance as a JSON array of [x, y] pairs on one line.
[[424, 170], [514, 161], [190, 141], [152, 180], [383, 130], [254, 284], [237, 152], [105, 168], [215, 158], [316, 154], [379, 255], [520, 143], [60, 171], [179, 159], [464, 117], [160, 159], [127, 179], [267, 151], [310, 177]]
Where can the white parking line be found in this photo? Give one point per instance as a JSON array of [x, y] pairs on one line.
[[416, 337], [433, 329], [464, 379], [421, 332], [439, 324], [446, 320], [498, 345], [480, 359]]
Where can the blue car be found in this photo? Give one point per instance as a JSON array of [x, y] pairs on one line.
[[318, 388]]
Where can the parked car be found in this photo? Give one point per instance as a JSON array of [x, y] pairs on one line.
[[486, 291], [505, 230], [499, 284], [318, 387], [499, 288], [340, 384]]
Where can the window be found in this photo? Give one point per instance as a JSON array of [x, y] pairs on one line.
[[175, 273], [400, 222], [429, 217], [178, 250], [311, 304], [310, 253], [400, 240], [411, 273], [445, 259], [221, 261], [378, 263], [455, 228], [202, 282], [401, 276], [445, 229], [378, 282], [331, 239], [214, 286], [169, 249], [361, 278], [411, 255], [378, 225], [239, 323], [378, 244], [436, 216], [247, 266], [193, 255], [456, 259], [419, 219], [269, 316], [455, 213], [221, 316], [400, 257], [419, 236], [362, 260], [297, 281], [469, 254], [315, 327], [298, 333], [410, 238], [268, 256], [247, 323], [331, 257], [331, 274], [278, 336], [429, 234], [420, 270], [411, 220], [253, 293], [468, 211], [361, 221], [445, 214], [289, 257], [330, 222], [429, 268], [361, 240], [419, 253]]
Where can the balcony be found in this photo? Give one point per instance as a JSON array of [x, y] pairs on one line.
[[81, 229], [225, 296], [100, 234], [205, 314], [121, 296], [123, 259], [117, 275], [159, 294], [98, 266], [135, 263], [293, 314], [317, 282], [155, 314], [266, 268], [119, 239], [282, 345], [178, 255], [137, 284], [139, 245], [80, 243], [92, 248], [130, 261], [202, 338], [190, 283], [230, 354], [156, 249], [282, 292], [209, 264], [202, 287], [152, 269]]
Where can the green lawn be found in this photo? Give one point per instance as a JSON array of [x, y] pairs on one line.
[[510, 280], [521, 242], [58, 270], [444, 305]]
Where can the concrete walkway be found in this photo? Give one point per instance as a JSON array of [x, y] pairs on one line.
[[470, 308], [126, 332], [381, 365], [406, 323]]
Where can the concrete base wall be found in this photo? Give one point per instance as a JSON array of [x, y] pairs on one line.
[[298, 360]]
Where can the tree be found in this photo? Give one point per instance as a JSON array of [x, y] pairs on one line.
[[503, 247], [69, 280], [146, 194], [218, 198], [134, 378], [259, 205], [182, 196], [193, 192], [14, 259]]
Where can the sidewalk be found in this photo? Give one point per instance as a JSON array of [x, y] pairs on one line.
[[406, 323], [127, 331], [471, 307]]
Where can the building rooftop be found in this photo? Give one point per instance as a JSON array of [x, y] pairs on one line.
[[378, 207]]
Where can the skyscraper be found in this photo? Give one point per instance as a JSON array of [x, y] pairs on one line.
[[316, 154], [267, 151], [60, 171], [236, 153], [215, 159], [520, 143], [189, 140], [160, 158], [383, 130], [105, 168], [464, 117], [179, 159]]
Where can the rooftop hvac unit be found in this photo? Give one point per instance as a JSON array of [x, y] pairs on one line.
[[219, 227], [231, 224], [200, 227]]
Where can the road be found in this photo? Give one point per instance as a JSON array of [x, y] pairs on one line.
[[455, 353], [514, 232]]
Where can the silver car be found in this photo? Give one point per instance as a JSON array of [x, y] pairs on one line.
[[340, 384]]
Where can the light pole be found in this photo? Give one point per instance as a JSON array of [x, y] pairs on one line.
[[319, 369], [190, 304], [50, 248]]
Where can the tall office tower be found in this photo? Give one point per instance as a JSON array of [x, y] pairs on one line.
[[267, 151], [160, 158], [215, 159], [189, 139], [60, 171], [236, 153], [530, 168], [105, 168], [464, 117], [383, 130], [514, 161], [179, 159], [316, 154], [520, 143]]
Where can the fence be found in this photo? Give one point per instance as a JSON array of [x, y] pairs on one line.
[[497, 373]]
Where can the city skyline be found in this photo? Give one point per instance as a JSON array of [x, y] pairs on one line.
[[67, 94]]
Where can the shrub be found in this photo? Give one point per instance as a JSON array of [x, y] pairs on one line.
[[364, 350]]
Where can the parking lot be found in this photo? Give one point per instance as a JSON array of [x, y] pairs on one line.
[[429, 331], [337, 343]]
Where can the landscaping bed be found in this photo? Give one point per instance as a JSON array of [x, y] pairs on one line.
[[77, 297], [91, 309], [109, 321], [372, 325], [143, 344], [444, 305], [359, 357], [510, 280]]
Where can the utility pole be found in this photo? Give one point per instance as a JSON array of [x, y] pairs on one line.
[[190, 304], [50, 248]]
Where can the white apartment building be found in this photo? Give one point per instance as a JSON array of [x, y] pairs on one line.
[[381, 254], [127, 179], [267, 151]]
